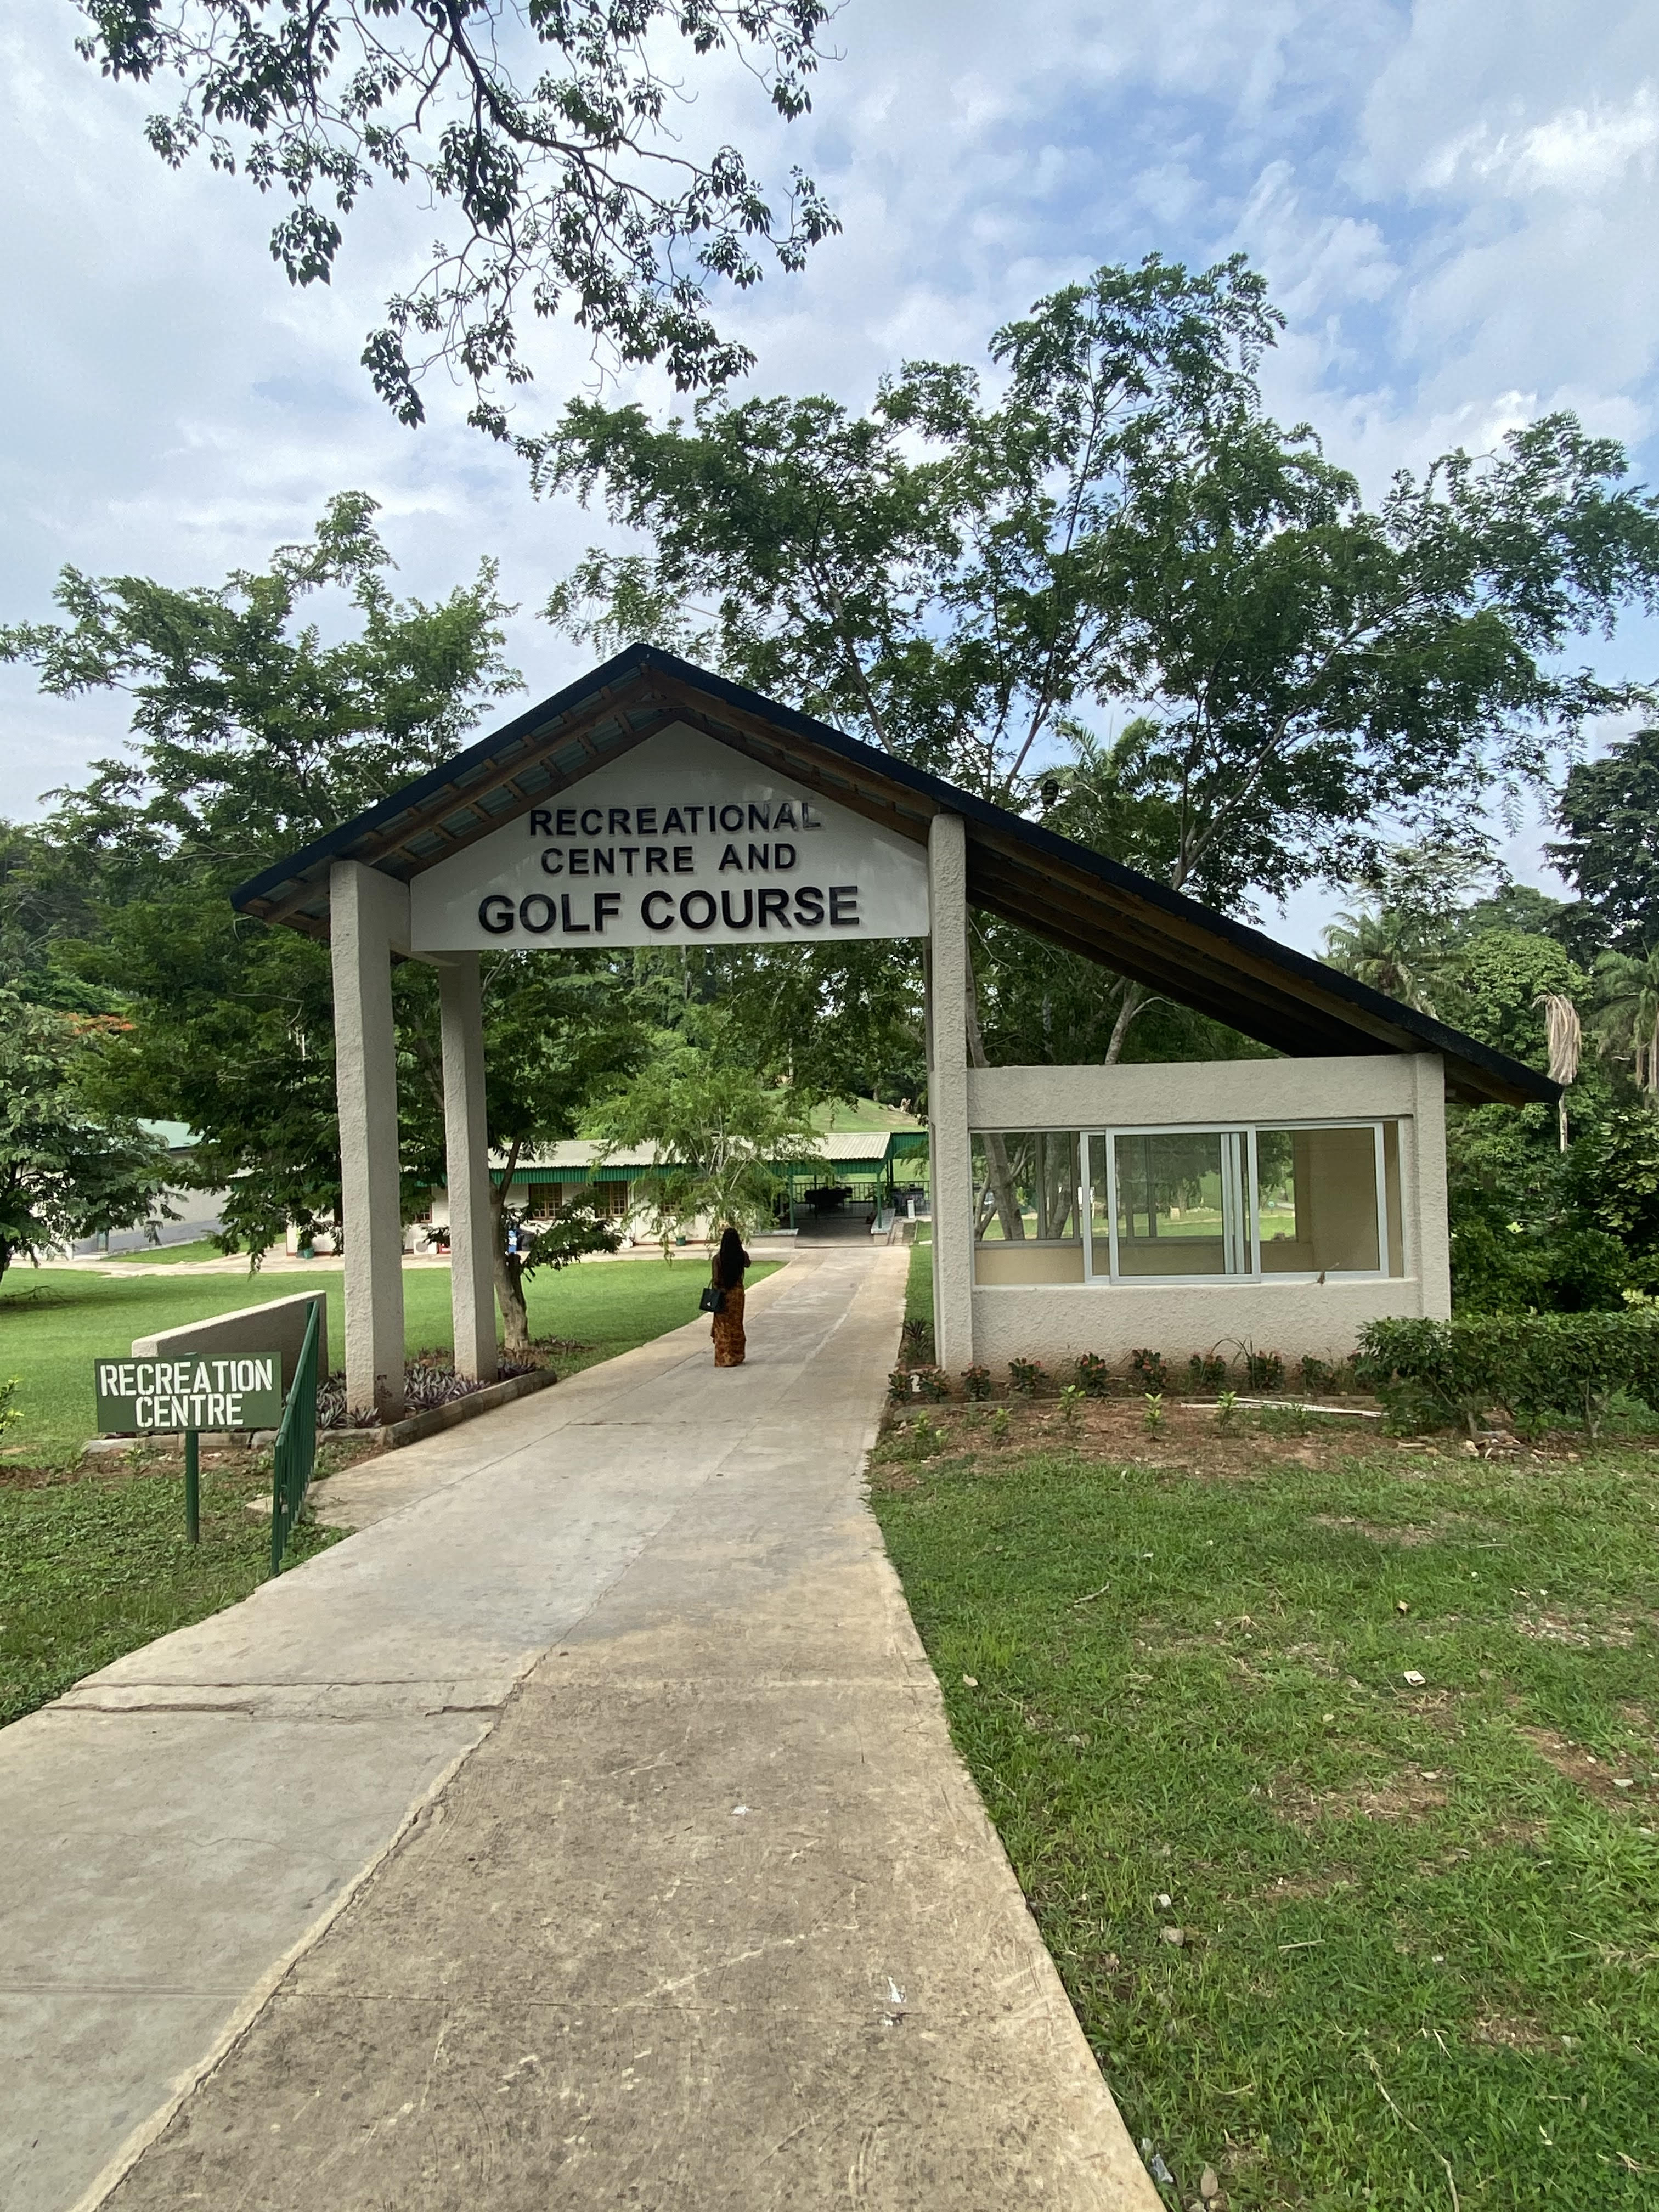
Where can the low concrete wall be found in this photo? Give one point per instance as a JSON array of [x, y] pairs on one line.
[[1056, 1322], [280, 1325]]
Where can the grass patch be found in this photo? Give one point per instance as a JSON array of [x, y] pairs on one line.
[[93, 1566], [1335, 1932], [54, 1323], [169, 1255], [919, 1282]]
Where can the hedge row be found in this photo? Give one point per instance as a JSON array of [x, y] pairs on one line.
[[1533, 1366]]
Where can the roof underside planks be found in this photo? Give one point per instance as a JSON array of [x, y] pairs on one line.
[[1018, 870]]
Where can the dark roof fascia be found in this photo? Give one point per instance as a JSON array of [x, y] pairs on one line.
[[998, 822], [337, 842]]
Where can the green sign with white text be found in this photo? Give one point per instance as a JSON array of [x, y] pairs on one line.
[[239, 1390]]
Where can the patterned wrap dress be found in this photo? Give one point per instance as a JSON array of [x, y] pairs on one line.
[[729, 1341]]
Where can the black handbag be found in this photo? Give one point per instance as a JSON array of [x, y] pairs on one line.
[[712, 1298]]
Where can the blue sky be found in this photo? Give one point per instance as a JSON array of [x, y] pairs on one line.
[[1453, 202]]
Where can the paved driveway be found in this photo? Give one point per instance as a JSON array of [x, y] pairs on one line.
[[583, 1831]]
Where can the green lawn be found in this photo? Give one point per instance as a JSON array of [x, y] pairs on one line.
[[918, 1283], [55, 1322], [93, 1560], [862, 1113], [1348, 1939], [93, 1567], [170, 1255]]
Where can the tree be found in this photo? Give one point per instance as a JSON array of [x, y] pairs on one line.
[[1385, 947], [573, 1233], [836, 1021], [1497, 987], [65, 1171], [547, 132], [719, 1134], [1609, 811], [1627, 1013], [1124, 530], [252, 735], [1402, 939]]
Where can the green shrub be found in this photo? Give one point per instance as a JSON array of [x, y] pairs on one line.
[[976, 1382], [1324, 1378], [1207, 1370], [1263, 1370], [929, 1382], [1094, 1376], [1531, 1365], [916, 1342], [898, 1385], [1151, 1371], [1026, 1377]]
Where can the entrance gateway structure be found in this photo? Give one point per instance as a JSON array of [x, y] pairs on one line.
[[1281, 1202]]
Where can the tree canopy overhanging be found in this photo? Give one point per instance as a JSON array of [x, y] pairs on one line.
[[555, 135]]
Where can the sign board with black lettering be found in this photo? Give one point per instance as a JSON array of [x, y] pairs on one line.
[[681, 840], [240, 1390]]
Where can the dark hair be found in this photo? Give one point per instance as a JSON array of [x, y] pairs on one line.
[[730, 1262]]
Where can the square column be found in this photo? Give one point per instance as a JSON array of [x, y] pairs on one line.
[[466, 1152], [949, 1148], [1424, 1203], [368, 918]]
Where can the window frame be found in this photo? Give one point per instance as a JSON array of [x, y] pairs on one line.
[[1240, 1175]]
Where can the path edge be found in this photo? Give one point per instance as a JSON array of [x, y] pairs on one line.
[[246, 2011]]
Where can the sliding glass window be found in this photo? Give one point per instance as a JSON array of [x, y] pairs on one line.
[[1237, 1203], [1025, 1207], [1316, 1201], [1175, 1202]]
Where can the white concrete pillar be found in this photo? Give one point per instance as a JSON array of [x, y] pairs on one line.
[[369, 917], [947, 1093], [1429, 1199], [466, 1152]]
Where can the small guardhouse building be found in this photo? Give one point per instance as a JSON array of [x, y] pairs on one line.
[[1281, 1203]]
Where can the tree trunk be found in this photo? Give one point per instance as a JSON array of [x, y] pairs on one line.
[[509, 1295], [1000, 1174], [506, 1269], [1134, 998]]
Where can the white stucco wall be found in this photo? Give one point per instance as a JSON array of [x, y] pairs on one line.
[[1056, 1321]]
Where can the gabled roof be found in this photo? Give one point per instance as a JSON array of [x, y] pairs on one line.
[[1016, 868]]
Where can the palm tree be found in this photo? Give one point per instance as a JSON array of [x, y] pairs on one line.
[[1385, 947], [1627, 1013]]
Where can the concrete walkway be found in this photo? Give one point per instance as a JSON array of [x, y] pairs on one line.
[[584, 1831]]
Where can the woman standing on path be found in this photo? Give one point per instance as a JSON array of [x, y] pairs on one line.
[[726, 1275]]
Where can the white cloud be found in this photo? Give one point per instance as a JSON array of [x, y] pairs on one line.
[[1580, 151], [1453, 204]]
